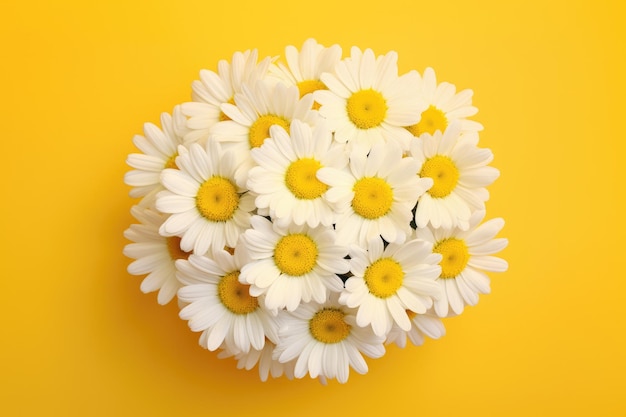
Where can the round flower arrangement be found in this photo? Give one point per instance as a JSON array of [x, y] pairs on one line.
[[307, 213]]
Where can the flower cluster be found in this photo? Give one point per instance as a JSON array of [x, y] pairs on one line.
[[306, 213]]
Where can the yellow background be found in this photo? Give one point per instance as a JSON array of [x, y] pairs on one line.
[[79, 79]]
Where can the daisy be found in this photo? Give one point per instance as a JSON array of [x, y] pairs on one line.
[[160, 148], [445, 106], [292, 264], [376, 196], [387, 282], [285, 180], [257, 108], [155, 254], [367, 102], [326, 341], [220, 306], [208, 209], [460, 174], [422, 325], [465, 255], [304, 68], [214, 89], [264, 357]]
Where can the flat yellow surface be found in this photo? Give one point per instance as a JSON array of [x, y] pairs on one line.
[[79, 79]]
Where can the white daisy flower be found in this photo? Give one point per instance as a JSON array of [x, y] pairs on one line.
[[155, 254], [422, 325], [367, 102], [386, 282], [445, 106], [292, 264], [285, 180], [264, 357], [208, 209], [257, 108], [214, 89], [220, 306], [465, 255], [160, 148], [304, 68], [326, 341], [460, 174], [376, 196]]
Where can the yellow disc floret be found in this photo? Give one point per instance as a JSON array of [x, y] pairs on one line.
[[217, 199], [173, 248], [444, 173], [384, 277], [301, 179], [373, 197], [366, 108], [455, 256], [432, 120], [235, 296], [260, 129], [295, 254], [329, 326]]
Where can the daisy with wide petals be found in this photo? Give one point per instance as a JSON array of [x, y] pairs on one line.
[[264, 358], [326, 341], [285, 180], [445, 106], [367, 102], [375, 197], [388, 282], [154, 255], [422, 326], [208, 209], [257, 108], [304, 68], [460, 174], [214, 89], [466, 254], [292, 264], [160, 148], [220, 306]]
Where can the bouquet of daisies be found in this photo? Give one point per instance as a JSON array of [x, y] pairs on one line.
[[306, 213]]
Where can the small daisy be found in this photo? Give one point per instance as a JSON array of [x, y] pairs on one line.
[[285, 180], [220, 306], [292, 264], [208, 209], [304, 68], [387, 282], [465, 255], [367, 102], [214, 89], [155, 254], [460, 174], [160, 148], [376, 196], [422, 325], [445, 106], [264, 357], [257, 108], [326, 341]]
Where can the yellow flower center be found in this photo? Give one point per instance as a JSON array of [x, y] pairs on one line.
[[372, 197], [217, 199], [367, 108], [295, 254], [432, 120], [235, 296], [444, 173], [455, 256], [173, 247], [309, 86], [302, 181], [384, 277], [171, 162], [223, 117], [328, 326], [260, 129]]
